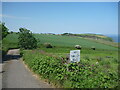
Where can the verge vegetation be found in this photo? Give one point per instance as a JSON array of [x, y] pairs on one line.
[[90, 72], [98, 66]]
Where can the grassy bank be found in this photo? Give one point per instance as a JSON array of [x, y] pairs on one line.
[[11, 41], [85, 74]]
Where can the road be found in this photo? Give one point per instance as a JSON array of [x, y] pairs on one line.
[[16, 75]]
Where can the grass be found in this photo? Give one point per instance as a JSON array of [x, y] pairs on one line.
[[105, 60], [11, 41], [47, 62], [60, 41], [114, 44], [67, 41], [79, 76]]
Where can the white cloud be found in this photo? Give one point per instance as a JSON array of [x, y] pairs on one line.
[[12, 17]]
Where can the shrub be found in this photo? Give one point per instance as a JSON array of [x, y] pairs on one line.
[[78, 46], [93, 48], [11, 32], [48, 45]]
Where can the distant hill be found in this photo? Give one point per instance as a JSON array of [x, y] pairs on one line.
[[92, 36]]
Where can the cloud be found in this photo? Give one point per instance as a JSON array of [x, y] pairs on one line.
[[12, 17]]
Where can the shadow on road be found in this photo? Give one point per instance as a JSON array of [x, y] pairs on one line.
[[10, 57], [12, 54], [2, 71]]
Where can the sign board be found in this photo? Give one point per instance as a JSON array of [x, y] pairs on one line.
[[74, 55]]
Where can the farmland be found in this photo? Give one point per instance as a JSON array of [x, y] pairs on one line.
[[60, 45], [66, 41], [96, 69], [60, 41]]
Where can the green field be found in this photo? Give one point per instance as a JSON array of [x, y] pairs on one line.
[[11, 41], [96, 69], [60, 41], [66, 41]]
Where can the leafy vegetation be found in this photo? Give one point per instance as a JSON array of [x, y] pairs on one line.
[[4, 30], [85, 74], [3, 33], [26, 39]]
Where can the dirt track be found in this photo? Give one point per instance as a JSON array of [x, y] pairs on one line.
[[16, 75]]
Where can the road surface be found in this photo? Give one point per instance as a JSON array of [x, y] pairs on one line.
[[16, 75]]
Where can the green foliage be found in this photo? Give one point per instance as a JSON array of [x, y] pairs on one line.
[[26, 39], [72, 75], [48, 45], [4, 30]]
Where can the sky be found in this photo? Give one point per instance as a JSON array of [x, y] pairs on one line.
[[61, 17]]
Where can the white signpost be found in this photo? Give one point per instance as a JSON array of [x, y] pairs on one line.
[[74, 55]]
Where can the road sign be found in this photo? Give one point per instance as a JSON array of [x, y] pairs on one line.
[[74, 55]]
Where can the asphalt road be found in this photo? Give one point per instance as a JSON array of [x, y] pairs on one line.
[[16, 75]]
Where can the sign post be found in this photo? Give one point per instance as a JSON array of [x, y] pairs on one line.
[[75, 56]]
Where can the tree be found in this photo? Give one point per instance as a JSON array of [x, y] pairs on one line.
[[11, 32], [26, 39], [4, 30]]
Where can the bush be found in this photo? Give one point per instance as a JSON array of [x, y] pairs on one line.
[[26, 39], [48, 45], [93, 48], [78, 46]]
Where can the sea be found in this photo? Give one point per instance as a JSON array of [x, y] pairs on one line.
[[116, 38]]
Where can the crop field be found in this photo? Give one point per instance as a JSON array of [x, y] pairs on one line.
[[60, 41], [66, 41], [11, 41]]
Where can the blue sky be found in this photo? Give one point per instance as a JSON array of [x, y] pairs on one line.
[[60, 17]]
